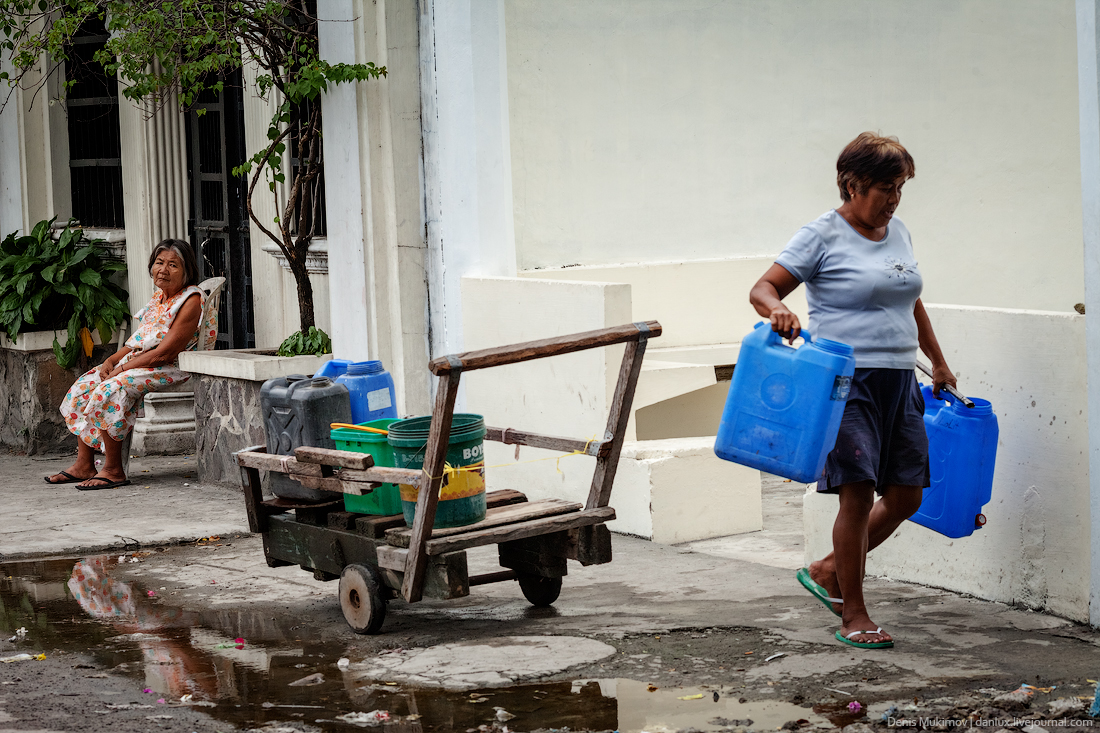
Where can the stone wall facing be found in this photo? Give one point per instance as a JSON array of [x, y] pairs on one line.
[[229, 418], [32, 387]]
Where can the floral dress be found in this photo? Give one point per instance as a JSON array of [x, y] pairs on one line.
[[92, 404]]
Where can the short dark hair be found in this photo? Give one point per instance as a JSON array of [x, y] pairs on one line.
[[871, 159], [183, 250]]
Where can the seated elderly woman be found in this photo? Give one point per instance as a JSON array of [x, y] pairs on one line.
[[101, 406]]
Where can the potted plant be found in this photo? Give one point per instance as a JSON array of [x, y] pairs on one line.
[[59, 285]]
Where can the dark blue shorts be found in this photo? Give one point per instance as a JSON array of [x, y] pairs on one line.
[[882, 437]]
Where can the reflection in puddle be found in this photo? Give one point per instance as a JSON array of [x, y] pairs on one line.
[[77, 606]]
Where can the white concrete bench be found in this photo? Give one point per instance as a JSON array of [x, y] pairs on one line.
[[704, 308], [672, 489]]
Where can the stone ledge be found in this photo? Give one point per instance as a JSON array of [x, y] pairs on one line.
[[316, 256], [677, 490], [41, 340], [252, 365], [32, 387]]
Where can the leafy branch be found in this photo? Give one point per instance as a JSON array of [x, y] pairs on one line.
[[184, 48]]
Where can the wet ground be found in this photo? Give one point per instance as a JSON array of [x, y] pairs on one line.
[[254, 670], [119, 655], [167, 631]]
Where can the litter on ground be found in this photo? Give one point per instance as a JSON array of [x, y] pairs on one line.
[[375, 717], [313, 679]]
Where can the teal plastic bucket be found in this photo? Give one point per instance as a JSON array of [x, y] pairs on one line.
[[462, 494], [386, 499]]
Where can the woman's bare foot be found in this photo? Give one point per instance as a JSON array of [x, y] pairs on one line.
[[102, 480], [76, 472], [823, 573], [862, 622]]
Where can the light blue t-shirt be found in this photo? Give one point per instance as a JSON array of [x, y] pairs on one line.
[[860, 292]]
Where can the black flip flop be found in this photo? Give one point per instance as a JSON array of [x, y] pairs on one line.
[[107, 484], [69, 479]]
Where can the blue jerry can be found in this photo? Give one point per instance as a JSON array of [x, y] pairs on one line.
[[962, 450], [784, 406], [371, 390]]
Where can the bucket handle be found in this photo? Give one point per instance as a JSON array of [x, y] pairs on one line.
[[775, 338]]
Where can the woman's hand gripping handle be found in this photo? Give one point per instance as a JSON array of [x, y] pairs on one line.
[[767, 296]]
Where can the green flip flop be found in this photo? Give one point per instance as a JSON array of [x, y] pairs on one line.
[[816, 590], [864, 644]]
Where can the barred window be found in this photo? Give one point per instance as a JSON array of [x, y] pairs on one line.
[[313, 198], [95, 146]]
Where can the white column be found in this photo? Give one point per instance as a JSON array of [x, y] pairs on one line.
[[345, 193], [11, 169], [1088, 59], [467, 157], [374, 194], [154, 186]]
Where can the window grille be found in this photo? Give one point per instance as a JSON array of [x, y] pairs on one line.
[[95, 146], [304, 14], [313, 199]]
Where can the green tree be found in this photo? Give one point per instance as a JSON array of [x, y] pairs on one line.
[[161, 47]]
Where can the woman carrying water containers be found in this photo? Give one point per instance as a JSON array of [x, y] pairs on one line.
[[863, 288]]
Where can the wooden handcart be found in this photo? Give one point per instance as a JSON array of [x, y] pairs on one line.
[[377, 558]]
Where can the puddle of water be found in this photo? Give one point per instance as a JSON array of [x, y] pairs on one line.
[[77, 606], [697, 707]]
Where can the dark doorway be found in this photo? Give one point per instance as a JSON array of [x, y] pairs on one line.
[[219, 219]]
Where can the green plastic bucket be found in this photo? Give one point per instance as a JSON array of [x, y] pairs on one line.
[[462, 494], [386, 499]]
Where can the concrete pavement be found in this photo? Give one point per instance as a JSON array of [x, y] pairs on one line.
[[708, 616], [162, 506]]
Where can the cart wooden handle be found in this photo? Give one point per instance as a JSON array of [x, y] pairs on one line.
[[449, 370], [501, 355]]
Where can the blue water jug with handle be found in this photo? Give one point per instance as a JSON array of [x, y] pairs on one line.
[[333, 368], [371, 389], [784, 407], [962, 450]]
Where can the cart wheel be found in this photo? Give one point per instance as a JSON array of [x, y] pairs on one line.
[[361, 599], [539, 591]]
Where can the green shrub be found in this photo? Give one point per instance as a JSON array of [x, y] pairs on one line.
[[48, 285], [313, 341]]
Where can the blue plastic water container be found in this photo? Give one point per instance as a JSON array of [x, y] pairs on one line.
[[784, 406], [333, 368], [372, 393], [962, 449]]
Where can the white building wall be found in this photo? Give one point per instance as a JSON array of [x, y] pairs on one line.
[[688, 129], [678, 141], [467, 160]]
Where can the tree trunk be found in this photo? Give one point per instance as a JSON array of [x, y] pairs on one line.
[[305, 294]]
